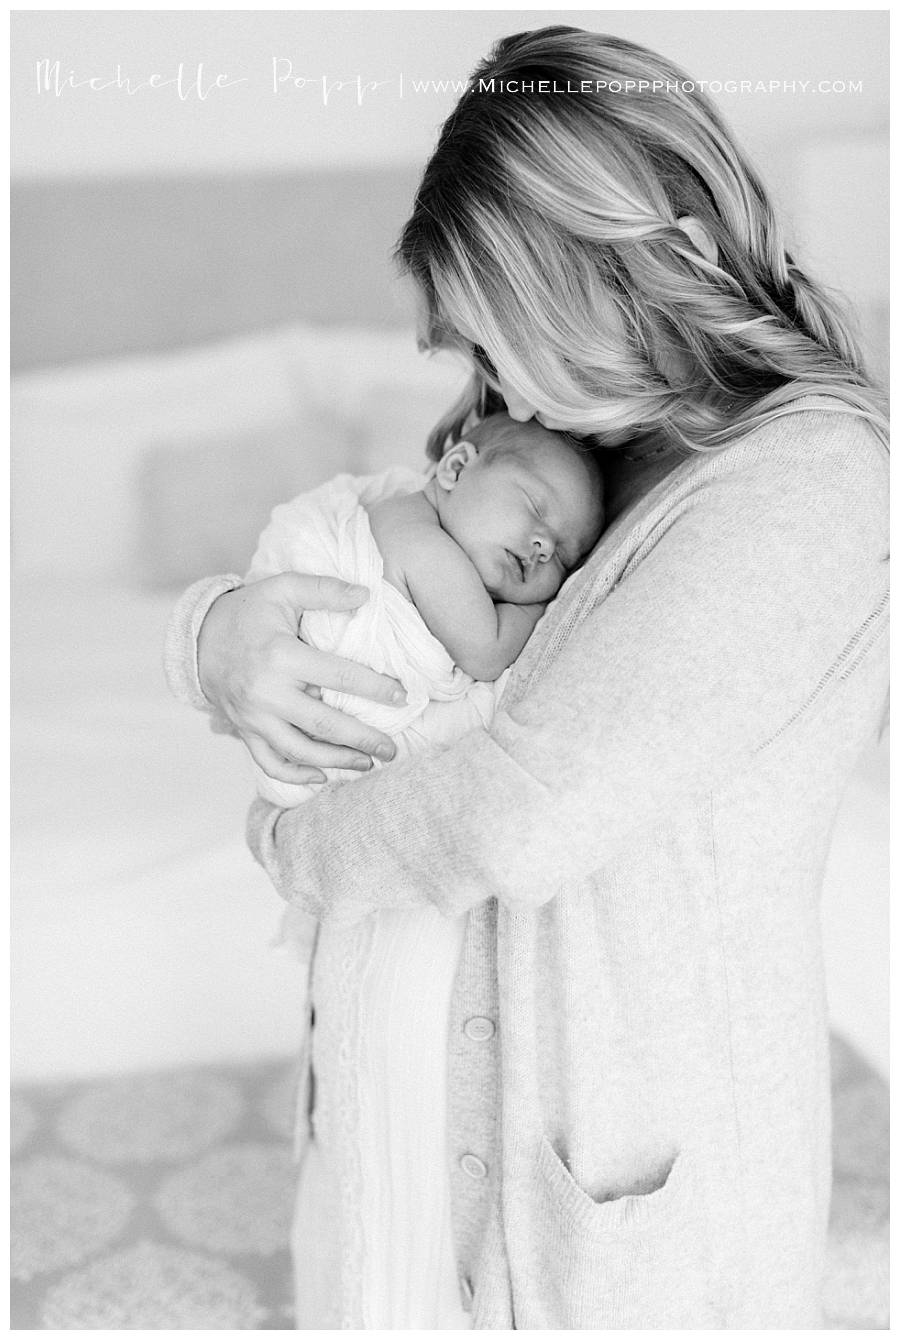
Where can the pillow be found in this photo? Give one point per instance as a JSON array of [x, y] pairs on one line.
[[203, 501], [79, 432]]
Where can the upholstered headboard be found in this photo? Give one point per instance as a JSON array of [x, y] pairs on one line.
[[139, 264]]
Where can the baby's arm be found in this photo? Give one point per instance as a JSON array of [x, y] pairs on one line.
[[482, 637]]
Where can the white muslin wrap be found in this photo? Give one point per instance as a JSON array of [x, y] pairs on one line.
[[327, 532], [372, 1236]]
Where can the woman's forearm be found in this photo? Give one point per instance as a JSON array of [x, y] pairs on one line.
[[401, 837]]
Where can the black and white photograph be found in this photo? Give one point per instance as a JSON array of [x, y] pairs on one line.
[[450, 663]]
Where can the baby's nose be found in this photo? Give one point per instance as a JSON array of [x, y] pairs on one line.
[[536, 557]]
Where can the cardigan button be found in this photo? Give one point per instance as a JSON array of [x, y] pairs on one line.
[[479, 1029], [473, 1166]]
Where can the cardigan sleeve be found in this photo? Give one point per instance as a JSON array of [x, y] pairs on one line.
[[180, 652], [747, 607]]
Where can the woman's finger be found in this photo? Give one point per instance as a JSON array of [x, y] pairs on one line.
[[277, 767], [299, 749], [312, 717], [343, 676]]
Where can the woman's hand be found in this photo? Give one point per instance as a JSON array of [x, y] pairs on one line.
[[267, 682]]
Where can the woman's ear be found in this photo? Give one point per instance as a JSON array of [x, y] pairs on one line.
[[453, 462], [700, 237]]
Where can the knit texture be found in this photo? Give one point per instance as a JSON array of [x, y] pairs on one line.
[[640, 841], [182, 634]]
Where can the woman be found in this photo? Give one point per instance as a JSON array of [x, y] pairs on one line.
[[638, 1087]]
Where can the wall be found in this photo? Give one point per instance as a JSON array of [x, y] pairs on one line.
[[131, 265]]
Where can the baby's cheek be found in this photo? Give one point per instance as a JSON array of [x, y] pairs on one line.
[[548, 586]]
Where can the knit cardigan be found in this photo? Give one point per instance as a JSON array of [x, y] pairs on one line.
[[639, 841]]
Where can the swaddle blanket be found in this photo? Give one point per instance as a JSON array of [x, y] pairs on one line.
[[326, 531]]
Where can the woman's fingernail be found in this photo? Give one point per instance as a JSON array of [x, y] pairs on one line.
[[385, 752], [361, 764], [398, 696]]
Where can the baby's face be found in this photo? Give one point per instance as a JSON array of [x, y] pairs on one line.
[[526, 517]]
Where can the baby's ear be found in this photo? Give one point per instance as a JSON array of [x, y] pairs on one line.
[[453, 462]]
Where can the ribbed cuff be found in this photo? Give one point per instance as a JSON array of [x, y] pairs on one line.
[[182, 635], [262, 818]]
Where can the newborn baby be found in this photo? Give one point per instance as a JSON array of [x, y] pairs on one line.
[[459, 563]]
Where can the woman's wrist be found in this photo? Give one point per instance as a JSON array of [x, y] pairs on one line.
[[210, 639], [182, 655]]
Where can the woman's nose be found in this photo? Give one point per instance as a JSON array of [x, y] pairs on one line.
[[517, 406]]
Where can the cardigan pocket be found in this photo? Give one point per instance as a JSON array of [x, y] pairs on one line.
[[636, 1262]]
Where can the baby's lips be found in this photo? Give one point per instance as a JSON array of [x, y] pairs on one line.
[[516, 565]]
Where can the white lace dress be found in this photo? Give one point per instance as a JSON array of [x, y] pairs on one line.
[[372, 1237]]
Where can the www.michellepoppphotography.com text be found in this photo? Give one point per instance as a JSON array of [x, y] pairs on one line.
[[198, 82]]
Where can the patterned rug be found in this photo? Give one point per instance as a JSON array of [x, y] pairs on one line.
[[162, 1202]]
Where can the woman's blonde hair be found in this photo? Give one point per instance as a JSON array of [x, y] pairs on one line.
[[546, 222]]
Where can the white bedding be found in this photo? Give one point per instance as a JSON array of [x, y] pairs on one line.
[[140, 922]]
